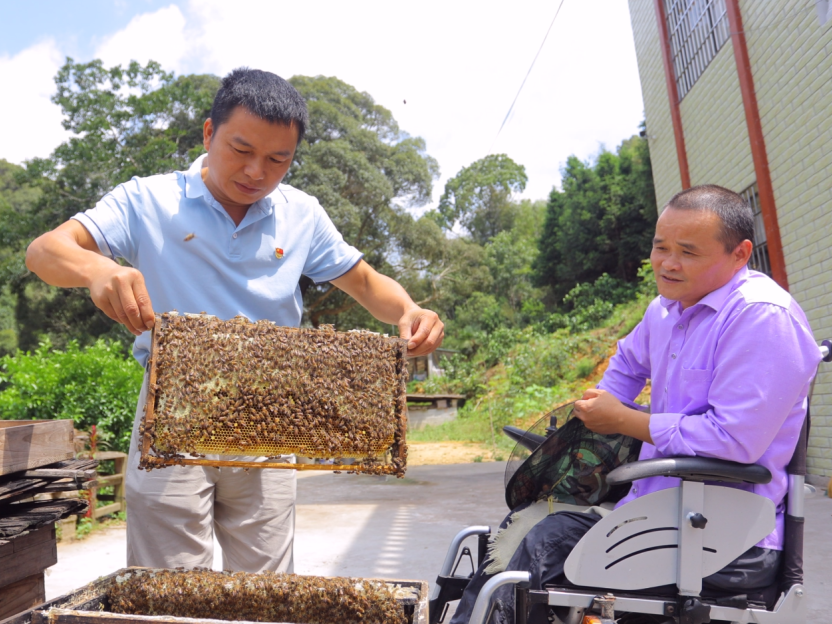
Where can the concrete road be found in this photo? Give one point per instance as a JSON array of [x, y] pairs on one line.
[[357, 525]]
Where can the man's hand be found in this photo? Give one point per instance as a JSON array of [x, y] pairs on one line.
[[602, 413], [422, 329], [122, 295]]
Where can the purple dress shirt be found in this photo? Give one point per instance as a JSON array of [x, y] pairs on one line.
[[730, 376]]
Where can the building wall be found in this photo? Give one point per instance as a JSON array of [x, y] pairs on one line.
[[656, 110], [791, 61], [716, 135]]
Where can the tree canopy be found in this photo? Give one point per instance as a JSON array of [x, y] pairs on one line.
[[479, 196], [602, 220]]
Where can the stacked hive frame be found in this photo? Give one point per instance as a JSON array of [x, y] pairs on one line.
[[240, 391]]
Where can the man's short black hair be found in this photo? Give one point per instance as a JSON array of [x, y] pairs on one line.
[[262, 93], [734, 212]]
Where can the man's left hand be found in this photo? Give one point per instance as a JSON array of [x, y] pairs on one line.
[[602, 413], [422, 329]]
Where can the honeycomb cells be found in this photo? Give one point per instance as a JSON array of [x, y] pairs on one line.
[[261, 597], [237, 388]]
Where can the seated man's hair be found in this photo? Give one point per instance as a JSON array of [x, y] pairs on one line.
[[734, 212], [262, 93]]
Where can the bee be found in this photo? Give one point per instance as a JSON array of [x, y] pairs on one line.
[[190, 237]]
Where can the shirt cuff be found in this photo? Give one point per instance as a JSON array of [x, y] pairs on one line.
[[666, 435], [95, 232]]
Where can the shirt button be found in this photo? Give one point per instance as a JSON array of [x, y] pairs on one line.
[[681, 326], [635, 489], [234, 235], [673, 355]]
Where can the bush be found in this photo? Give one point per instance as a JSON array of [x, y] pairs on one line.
[[591, 304], [95, 385]]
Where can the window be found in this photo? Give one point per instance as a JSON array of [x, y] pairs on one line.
[[759, 257], [698, 29]]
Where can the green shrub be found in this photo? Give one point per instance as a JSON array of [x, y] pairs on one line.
[[95, 385]]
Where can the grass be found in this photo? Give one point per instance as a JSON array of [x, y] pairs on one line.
[[537, 375]]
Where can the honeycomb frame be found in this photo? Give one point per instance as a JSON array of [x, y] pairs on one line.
[[224, 393]]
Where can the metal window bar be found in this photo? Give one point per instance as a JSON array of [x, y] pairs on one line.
[[759, 256], [697, 29]]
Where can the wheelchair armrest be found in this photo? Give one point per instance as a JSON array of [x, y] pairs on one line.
[[690, 469]]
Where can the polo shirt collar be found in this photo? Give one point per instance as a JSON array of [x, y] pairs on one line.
[[716, 298], [195, 187]]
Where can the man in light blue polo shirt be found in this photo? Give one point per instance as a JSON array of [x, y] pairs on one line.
[[226, 239]]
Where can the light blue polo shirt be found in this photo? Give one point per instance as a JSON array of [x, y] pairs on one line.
[[194, 259]]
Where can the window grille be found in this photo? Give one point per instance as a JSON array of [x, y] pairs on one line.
[[759, 256], [697, 29]]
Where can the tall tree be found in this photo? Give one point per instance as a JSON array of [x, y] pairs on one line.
[[601, 221], [479, 197]]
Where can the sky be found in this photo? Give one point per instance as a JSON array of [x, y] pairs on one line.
[[448, 70]]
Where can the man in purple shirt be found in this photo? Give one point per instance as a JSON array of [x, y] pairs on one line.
[[730, 357]]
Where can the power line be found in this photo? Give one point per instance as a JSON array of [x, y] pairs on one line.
[[522, 84]]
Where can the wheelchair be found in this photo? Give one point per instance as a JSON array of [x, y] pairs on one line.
[[673, 537]]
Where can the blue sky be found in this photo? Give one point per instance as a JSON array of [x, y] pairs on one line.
[[74, 25], [458, 69]]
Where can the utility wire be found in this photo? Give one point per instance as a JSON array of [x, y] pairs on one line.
[[522, 84]]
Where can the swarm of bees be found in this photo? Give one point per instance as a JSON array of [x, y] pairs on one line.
[[256, 389], [262, 597]]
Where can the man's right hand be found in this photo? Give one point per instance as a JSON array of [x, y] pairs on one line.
[[68, 257], [121, 294]]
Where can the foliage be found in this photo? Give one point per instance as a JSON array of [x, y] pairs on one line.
[[587, 305], [479, 197], [601, 222], [537, 373], [92, 386]]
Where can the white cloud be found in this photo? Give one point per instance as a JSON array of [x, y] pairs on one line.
[[158, 36], [31, 122]]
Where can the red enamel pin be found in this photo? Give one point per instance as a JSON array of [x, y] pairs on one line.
[[278, 253]]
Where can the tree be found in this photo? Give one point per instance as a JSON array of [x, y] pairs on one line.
[[479, 196], [602, 220], [126, 122], [366, 172]]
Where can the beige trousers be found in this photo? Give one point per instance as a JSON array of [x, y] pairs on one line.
[[175, 512]]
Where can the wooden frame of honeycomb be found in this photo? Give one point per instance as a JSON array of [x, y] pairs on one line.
[[248, 390]]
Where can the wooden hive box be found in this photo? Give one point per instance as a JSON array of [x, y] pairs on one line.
[[229, 392], [92, 604], [27, 444]]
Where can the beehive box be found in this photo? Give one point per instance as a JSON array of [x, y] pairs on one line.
[[121, 598], [227, 392], [26, 444]]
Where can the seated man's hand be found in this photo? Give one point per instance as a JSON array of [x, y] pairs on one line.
[[422, 329], [602, 413]]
